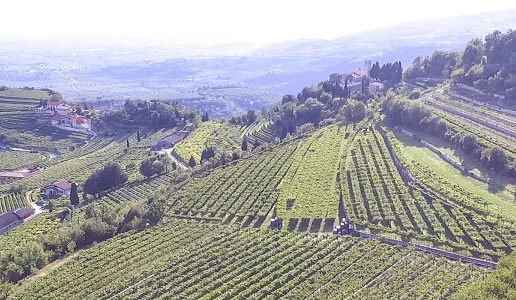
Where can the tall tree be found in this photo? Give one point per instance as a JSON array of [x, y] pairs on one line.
[[127, 143], [192, 162], [74, 194], [244, 145]]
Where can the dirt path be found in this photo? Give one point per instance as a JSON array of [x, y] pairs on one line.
[[54, 265]]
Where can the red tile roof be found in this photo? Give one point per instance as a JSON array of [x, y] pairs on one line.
[[62, 184], [15, 174]]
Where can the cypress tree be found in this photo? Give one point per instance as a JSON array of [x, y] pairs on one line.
[[74, 195], [192, 162]]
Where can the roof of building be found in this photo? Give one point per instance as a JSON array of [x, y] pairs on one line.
[[54, 103], [15, 174], [61, 184], [24, 212], [63, 107], [8, 218], [176, 137]]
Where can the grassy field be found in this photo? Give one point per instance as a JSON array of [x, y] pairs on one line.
[[308, 189], [501, 198]]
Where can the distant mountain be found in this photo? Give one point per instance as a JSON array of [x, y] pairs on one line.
[[318, 58]]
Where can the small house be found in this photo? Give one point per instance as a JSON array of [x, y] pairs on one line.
[[8, 177], [58, 188], [170, 141], [64, 110], [52, 105], [12, 219]]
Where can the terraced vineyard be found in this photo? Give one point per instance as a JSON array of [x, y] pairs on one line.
[[247, 187], [262, 132], [222, 262], [11, 202], [376, 197], [223, 137], [19, 124], [25, 94], [13, 160]]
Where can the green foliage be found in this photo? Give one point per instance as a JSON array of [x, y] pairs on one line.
[[74, 194], [13, 160], [109, 177], [501, 284], [155, 113], [488, 65], [192, 163], [222, 137], [155, 165], [353, 111], [22, 261]]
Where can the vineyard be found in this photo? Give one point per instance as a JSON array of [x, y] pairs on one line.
[[377, 198], [13, 160], [431, 170], [222, 262], [223, 137], [261, 132], [247, 187], [308, 190], [10, 202], [25, 94], [20, 126], [212, 242]]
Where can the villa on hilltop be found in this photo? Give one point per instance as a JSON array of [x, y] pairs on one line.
[[357, 81], [62, 114]]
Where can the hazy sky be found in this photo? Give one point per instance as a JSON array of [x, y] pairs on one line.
[[222, 20]]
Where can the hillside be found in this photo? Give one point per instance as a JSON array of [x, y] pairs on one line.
[[426, 179]]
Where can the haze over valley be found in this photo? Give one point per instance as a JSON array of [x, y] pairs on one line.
[[224, 79]]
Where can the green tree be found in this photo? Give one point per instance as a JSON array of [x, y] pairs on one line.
[[109, 177], [192, 163], [251, 116], [469, 143], [244, 145], [74, 194], [50, 206], [5, 290]]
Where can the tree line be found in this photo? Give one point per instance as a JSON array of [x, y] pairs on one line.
[[404, 112], [487, 64]]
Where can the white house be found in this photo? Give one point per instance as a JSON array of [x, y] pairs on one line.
[[58, 188]]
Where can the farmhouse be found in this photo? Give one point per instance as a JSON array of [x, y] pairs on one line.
[[58, 188], [73, 120], [64, 110], [170, 141], [52, 105], [10, 220], [353, 80], [8, 177]]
